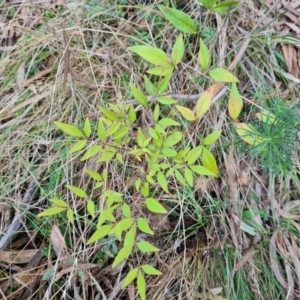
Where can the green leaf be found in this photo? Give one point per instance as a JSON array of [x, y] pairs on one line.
[[246, 132], [166, 100], [69, 129], [78, 146], [100, 233], [140, 137], [209, 162], [211, 138], [224, 7], [165, 70], [206, 3], [94, 150], [94, 175], [235, 103], [145, 189], [129, 239], [141, 285], [200, 170], [150, 270], [173, 139], [113, 129], [193, 155], [122, 225], [154, 206], [204, 102], [122, 255], [178, 19], [59, 202], [122, 132], [180, 178], [168, 122], [77, 191], [162, 181], [110, 115], [91, 208], [145, 247], [138, 96], [106, 156], [163, 85], [87, 127], [149, 86], [188, 174], [204, 56], [144, 226], [126, 211], [186, 113], [101, 132], [178, 50], [131, 115], [156, 113], [153, 55], [132, 274], [169, 152], [138, 184], [51, 211], [266, 117], [152, 133], [222, 75], [70, 215]]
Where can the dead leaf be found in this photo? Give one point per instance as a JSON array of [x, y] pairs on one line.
[[244, 260], [58, 242], [216, 291], [74, 268], [17, 257], [290, 56]]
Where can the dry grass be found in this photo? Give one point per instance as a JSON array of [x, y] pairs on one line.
[[60, 61]]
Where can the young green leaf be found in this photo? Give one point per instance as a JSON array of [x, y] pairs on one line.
[[94, 150], [235, 103], [169, 152], [101, 232], [206, 3], [138, 96], [166, 100], [122, 255], [101, 132], [94, 175], [200, 170], [126, 210], [209, 162], [113, 129], [145, 247], [51, 211], [141, 285], [173, 139], [204, 56], [162, 181], [154, 206], [211, 138], [149, 86], [193, 155], [132, 274], [186, 113], [91, 208], [222, 75], [204, 102], [130, 237], [178, 50], [150, 270], [87, 127], [77, 191], [168, 122], [178, 19], [122, 225], [69, 129], [165, 70], [140, 137], [145, 189], [138, 184], [153, 55], [156, 113], [78, 146], [70, 215], [59, 202], [180, 178], [143, 226]]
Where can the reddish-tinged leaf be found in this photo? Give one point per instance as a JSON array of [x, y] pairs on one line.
[[204, 102]]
